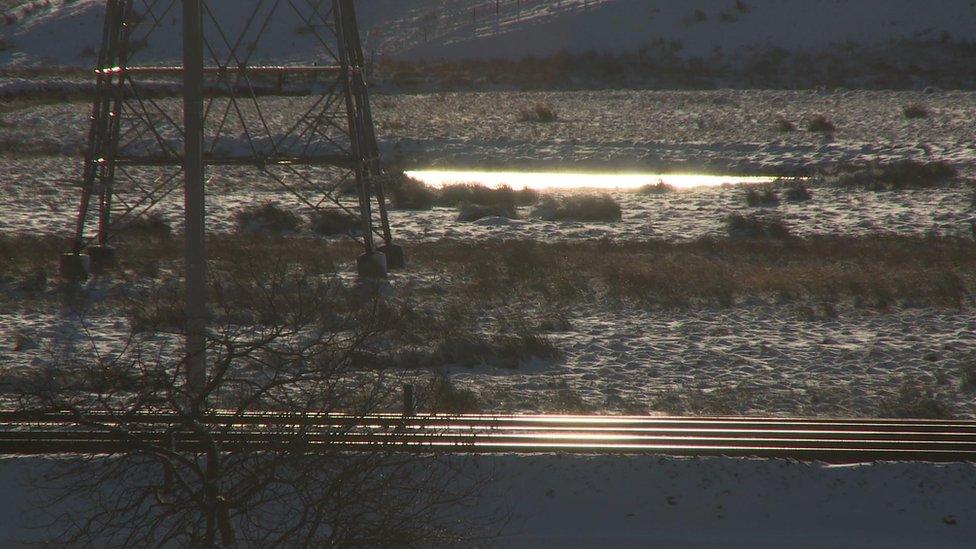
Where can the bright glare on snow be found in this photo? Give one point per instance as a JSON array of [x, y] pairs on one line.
[[558, 180]]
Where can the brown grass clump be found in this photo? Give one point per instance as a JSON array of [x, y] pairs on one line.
[[565, 400], [874, 271], [334, 222], [440, 395], [820, 124], [756, 227], [268, 218], [767, 197], [894, 176], [408, 193], [473, 212], [797, 192], [500, 351], [782, 125], [161, 311], [916, 111], [151, 225], [967, 374], [656, 188], [538, 113], [915, 401], [714, 271], [579, 207], [527, 196], [476, 193]]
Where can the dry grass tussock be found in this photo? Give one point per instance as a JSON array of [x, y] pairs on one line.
[[755, 227], [407, 193], [905, 174], [656, 188], [579, 207], [820, 124], [268, 218], [538, 113], [474, 193], [873, 272], [762, 197], [916, 111], [879, 271], [915, 401]]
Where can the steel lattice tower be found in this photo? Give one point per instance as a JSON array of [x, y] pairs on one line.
[[319, 146]]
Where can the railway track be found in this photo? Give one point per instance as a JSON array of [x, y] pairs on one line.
[[829, 440]]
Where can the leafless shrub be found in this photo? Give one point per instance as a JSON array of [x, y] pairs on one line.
[[159, 311], [155, 492]]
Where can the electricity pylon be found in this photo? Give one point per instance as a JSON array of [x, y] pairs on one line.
[[227, 61], [305, 128]]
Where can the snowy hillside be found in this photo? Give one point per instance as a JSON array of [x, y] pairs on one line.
[[698, 27], [67, 33]]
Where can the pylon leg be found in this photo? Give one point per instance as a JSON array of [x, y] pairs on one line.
[[395, 258], [372, 265], [102, 258], [75, 267]]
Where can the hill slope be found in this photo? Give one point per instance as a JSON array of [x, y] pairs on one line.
[[698, 27], [67, 33]]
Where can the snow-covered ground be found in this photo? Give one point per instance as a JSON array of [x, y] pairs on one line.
[[771, 356], [760, 356], [725, 131], [722, 132], [614, 501]]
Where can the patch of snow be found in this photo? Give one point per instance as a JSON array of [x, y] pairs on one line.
[[650, 501]]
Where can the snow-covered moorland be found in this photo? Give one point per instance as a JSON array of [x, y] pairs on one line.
[[764, 353], [859, 303]]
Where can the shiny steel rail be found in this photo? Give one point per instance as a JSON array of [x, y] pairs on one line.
[[830, 440]]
